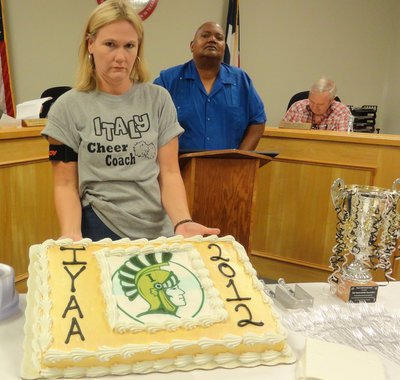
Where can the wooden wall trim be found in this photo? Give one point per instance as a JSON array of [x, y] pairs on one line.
[[343, 137], [325, 163], [20, 150], [32, 160], [21, 277], [290, 260], [7, 133]]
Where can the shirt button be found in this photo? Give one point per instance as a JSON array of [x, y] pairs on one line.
[[208, 139], [208, 100], [208, 119]]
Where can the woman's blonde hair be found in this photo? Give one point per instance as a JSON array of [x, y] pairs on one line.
[[104, 14]]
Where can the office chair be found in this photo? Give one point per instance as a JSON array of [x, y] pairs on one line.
[[302, 95], [54, 92]]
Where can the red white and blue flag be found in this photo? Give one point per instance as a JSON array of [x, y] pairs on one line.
[[6, 94], [232, 35]]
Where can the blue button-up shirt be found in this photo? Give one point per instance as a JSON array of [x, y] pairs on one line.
[[217, 120]]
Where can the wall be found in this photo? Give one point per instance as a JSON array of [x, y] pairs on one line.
[[298, 41], [43, 38], [285, 46], [391, 98]]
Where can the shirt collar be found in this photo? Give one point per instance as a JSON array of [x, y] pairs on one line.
[[225, 75], [326, 114]]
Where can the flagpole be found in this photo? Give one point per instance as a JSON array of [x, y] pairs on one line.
[[232, 35], [9, 108]]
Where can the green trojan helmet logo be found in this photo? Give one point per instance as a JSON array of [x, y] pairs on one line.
[[144, 276]]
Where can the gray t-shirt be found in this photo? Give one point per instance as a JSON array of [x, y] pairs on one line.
[[117, 138]]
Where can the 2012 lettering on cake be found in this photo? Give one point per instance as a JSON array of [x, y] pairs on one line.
[[101, 308]]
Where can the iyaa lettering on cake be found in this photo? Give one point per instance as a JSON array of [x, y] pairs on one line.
[[73, 304]]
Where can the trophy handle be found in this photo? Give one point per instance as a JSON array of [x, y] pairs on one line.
[[396, 185], [336, 189]]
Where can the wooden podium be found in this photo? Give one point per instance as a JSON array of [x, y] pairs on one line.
[[221, 187]]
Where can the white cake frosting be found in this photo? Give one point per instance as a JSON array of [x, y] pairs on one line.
[[41, 359]]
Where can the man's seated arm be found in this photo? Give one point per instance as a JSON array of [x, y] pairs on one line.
[[252, 136]]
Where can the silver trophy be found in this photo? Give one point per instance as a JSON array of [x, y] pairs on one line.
[[367, 231]]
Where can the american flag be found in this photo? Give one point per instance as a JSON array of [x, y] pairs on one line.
[[6, 95], [232, 35]]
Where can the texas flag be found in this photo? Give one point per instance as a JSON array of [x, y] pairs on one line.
[[232, 35], [6, 95]]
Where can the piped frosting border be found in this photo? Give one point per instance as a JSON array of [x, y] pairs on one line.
[[38, 337]]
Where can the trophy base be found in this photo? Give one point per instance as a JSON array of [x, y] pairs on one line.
[[355, 292]]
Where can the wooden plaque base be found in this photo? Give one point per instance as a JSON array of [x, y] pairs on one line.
[[351, 291]]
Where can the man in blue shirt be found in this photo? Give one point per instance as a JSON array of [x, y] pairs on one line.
[[217, 104]]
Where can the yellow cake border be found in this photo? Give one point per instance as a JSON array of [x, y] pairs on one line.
[[31, 368]]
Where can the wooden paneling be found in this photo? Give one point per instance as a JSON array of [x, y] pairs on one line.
[[221, 190], [229, 185], [26, 199], [295, 222], [21, 145]]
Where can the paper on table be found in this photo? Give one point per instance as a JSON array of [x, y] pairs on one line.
[[30, 109], [332, 361], [8, 121]]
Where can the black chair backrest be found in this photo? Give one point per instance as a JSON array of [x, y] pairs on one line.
[[302, 95], [54, 92]]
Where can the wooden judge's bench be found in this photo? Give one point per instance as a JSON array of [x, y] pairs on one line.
[[292, 219], [27, 213], [295, 221]]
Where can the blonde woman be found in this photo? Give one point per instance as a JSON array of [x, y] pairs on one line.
[[114, 140]]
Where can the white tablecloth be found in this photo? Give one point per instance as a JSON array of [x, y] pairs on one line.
[[12, 335]]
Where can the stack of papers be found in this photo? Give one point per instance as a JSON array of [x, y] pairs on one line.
[[27, 114], [30, 109]]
